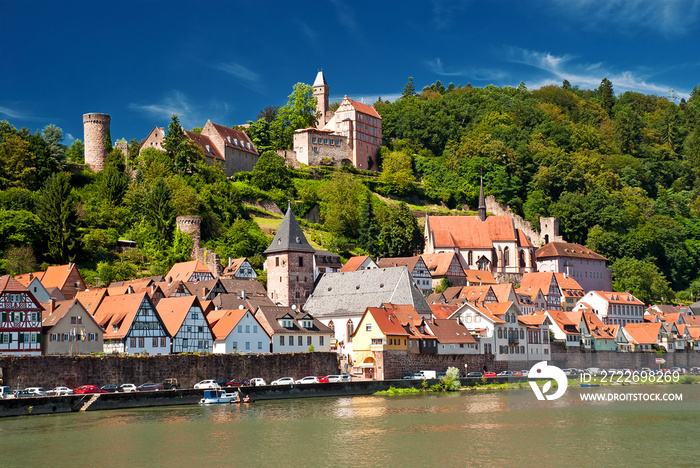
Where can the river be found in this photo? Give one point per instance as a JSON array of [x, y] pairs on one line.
[[465, 428]]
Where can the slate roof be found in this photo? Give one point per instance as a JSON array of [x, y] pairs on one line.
[[252, 287], [320, 79], [351, 292], [567, 249], [267, 317], [289, 237]]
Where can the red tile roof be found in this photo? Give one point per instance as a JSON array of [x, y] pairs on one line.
[[439, 263], [354, 263], [173, 311], [480, 277], [184, 270], [27, 278], [205, 145], [619, 298], [643, 333], [120, 311], [450, 332], [365, 109], [443, 311], [226, 321], [567, 249], [469, 232], [8, 283], [236, 136]]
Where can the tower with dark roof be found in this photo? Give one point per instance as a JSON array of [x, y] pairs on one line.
[[290, 264], [321, 92]]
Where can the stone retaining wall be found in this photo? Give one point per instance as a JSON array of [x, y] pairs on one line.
[[73, 371]]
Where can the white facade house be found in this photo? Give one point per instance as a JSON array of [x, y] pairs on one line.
[[613, 308], [292, 331], [238, 331], [185, 321]]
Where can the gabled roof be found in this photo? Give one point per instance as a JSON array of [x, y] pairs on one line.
[[693, 320], [386, 320], [9, 284], [479, 277], [183, 271], [351, 292], [619, 298], [469, 232], [174, 287], [475, 293], [91, 298], [205, 144], [596, 327], [118, 310], [235, 138], [364, 108], [438, 264], [148, 280], [173, 311], [354, 263], [443, 311], [252, 287], [26, 278], [568, 285], [564, 319], [57, 276], [51, 317], [408, 262], [450, 332], [504, 292], [268, 319], [234, 264], [642, 333], [289, 237], [533, 282], [234, 301], [228, 320], [198, 288], [533, 320], [694, 332], [567, 249]]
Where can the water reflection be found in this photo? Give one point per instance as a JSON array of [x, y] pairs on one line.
[[457, 429]]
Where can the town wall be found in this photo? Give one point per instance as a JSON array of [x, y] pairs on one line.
[[73, 371], [577, 359], [239, 161], [550, 226], [322, 151], [96, 129]]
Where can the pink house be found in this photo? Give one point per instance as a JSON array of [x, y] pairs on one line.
[[582, 264]]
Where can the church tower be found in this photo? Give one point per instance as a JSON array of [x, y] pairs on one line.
[[321, 92], [482, 202], [290, 264]]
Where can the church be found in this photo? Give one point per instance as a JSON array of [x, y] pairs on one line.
[[490, 243]]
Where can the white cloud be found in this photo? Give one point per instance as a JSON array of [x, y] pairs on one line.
[[15, 114], [668, 17], [585, 75], [444, 11], [247, 77], [190, 115], [479, 74]]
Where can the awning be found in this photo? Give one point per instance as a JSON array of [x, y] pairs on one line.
[[367, 365]]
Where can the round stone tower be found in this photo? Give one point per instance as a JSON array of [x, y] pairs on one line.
[[190, 225], [96, 127]]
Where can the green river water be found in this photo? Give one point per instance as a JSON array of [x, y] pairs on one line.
[[460, 429]]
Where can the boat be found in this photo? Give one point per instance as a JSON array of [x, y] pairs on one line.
[[219, 397]]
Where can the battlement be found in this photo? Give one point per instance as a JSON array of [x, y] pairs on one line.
[[96, 128]]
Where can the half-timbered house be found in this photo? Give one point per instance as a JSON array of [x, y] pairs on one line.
[[186, 324], [20, 319]]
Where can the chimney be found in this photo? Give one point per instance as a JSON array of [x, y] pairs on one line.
[[31, 276], [204, 294], [170, 279], [52, 305], [243, 296], [70, 265], [230, 261]]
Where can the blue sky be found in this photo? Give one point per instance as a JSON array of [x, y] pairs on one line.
[[141, 61]]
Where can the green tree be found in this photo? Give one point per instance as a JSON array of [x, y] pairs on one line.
[[76, 152], [159, 210], [20, 260], [53, 136], [641, 278], [341, 202], [369, 230], [400, 235], [56, 207], [397, 172], [299, 112], [409, 88], [112, 184], [606, 96], [17, 163], [19, 228], [271, 172]]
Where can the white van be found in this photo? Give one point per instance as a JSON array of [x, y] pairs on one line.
[[428, 374], [5, 393]]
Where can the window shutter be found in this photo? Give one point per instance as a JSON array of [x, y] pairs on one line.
[[21, 338], [4, 316]]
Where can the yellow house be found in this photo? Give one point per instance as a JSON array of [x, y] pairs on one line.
[[380, 329]]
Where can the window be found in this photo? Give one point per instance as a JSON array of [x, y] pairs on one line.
[[281, 340], [247, 328], [320, 341], [308, 341], [301, 261], [300, 341], [155, 342], [184, 343], [92, 337], [259, 344], [247, 345], [255, 328], [132, 342], [162, 342], [500, 333], [54, 337], [369, 327], [240, 328], [277, 261]]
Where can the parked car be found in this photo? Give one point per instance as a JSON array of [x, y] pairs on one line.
[[36, 391], [505, 373], [489, 374], [257, 382], [149, 387], [111, 388], [307, 380], [169, 384], [517, 373], [334, 378], [89, 389], [127, 388], [322, 379], [475, 374], [22, 394], [525, 372], [206, 384], [5, 393], [59, 391], [346, 378], [283, 381], [238, 383]]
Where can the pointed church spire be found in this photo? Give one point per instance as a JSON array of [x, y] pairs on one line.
[[482, 201], [289, 236]]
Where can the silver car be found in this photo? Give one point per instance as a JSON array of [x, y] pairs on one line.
[[283, 381]]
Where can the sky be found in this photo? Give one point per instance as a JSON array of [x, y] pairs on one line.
[[140, 61]]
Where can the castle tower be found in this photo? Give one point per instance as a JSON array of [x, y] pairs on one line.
[[96, 128], [190, 225], [290, 264], [321, 91]]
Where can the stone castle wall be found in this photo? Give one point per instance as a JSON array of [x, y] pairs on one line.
[[73, 371], [96, 128]]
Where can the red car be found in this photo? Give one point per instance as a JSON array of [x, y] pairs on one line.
[[238, 383], [489, 374], [322, 379], [89, 389]]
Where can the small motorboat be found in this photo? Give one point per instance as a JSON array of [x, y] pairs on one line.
[[590, 385], [219, 397]]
